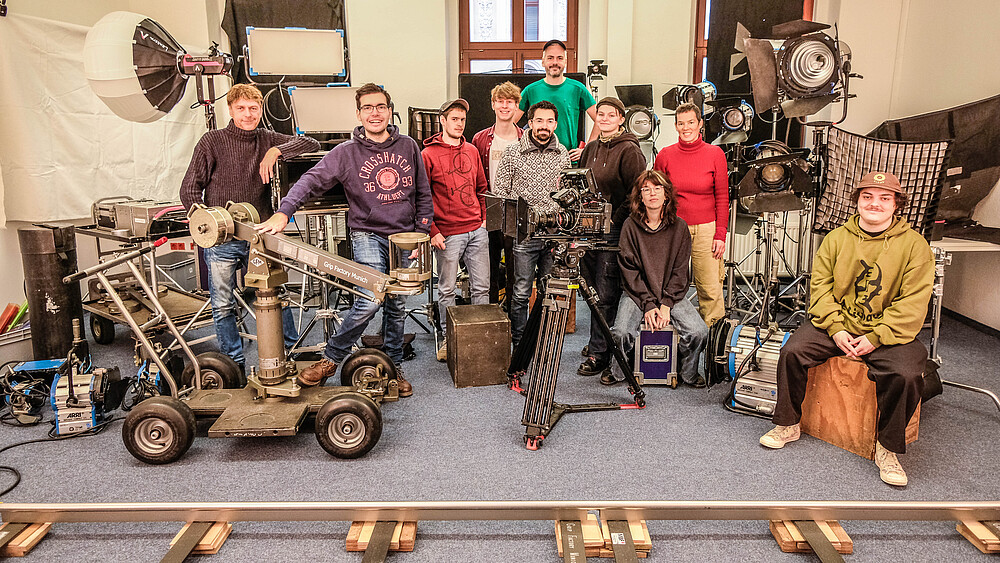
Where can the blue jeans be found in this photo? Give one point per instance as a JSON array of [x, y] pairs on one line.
[[373, 251], [474, 246], [532, 260], [691, 332], [223, 262]]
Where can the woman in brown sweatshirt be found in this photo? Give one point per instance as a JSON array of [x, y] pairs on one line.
[[655, 253]]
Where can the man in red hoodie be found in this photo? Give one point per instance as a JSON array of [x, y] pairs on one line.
[[458, 232]]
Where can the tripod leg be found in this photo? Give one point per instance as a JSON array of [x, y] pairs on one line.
[[633, 384], [537, 416]]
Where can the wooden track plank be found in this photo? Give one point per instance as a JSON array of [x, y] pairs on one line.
[[25, 540]]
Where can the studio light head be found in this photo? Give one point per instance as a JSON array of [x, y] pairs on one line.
[[799, 68], [731, 121], [640, 119], [597, 70], [776, 179], [698, 94]]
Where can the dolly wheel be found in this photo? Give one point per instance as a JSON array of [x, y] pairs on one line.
[[102, 329], [362, 366], [218, 371], [348, 425], [159, 430]]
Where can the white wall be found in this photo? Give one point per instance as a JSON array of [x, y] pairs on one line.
[[918, 57], [915, 57]]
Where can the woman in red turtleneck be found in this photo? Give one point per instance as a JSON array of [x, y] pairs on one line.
[[698, 170]]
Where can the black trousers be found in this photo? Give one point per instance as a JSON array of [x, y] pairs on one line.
[[500, 277], [896, 370], [600, 269]]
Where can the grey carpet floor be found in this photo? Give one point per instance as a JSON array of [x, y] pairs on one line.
[[465, 444]]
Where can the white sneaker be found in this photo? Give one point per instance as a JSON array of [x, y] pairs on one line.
[[442, 353], [889, 468], [778, 436]]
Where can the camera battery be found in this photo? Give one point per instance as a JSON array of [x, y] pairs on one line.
[[656, 357]]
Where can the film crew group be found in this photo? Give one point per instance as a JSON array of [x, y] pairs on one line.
[[388, 192], [872, 280], [234, 164]]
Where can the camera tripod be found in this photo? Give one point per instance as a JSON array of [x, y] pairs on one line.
[[540, 349]]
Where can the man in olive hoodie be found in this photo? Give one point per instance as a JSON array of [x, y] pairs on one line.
[[871, 283], [387, 192]]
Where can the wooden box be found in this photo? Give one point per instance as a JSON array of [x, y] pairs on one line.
[[840, 407], [478, 345]]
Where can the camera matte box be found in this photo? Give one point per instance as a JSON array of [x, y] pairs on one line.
[[478, 345]]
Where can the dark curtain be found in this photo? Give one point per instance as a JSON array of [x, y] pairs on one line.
[[758, 16], [975, 154]]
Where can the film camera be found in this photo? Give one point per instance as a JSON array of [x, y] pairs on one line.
[[582, 212]]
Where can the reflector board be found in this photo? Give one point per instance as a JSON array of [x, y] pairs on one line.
[[295, 50], [323, 109]]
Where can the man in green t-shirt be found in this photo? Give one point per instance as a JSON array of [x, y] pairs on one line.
[[571, 98]]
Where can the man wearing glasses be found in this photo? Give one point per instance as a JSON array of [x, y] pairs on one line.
[[655, 249], [530, 169], [388, 192]]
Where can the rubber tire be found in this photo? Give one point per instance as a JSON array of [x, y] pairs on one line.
[[155, 415], [102, 329], [365, 357], [217, 369], [357, 416]]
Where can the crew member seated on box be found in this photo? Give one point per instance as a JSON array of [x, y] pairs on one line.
[[235, 164], [655, 250], [871, 283], [458, 184], [387, 190], [530, 169]]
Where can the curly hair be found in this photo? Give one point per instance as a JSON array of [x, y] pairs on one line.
[[544, 104], [244, 92], [668, 213]]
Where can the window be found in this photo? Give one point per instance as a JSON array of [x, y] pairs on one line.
[[508, 35]]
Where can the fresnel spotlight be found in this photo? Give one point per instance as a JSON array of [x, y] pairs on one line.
[[640, 119], [730, 122], [799, 68], [776, 180], [699, 94]]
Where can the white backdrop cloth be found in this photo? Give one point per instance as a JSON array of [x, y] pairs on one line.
[[60, 147]]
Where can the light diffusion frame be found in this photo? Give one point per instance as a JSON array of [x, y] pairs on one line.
[[920, 167]]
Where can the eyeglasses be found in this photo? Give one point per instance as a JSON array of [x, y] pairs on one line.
[[648, 190], [370, 108]]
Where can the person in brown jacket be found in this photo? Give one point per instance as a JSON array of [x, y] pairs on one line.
[[655, 252], [616, 161]]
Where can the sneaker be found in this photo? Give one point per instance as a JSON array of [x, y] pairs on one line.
[[442, 353], [316, 373], [592, 366], [889, 468], [779, 436], [607, 378], [405, 389]]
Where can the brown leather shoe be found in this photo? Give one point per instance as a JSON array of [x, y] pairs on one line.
[[405, 389], [316, 373]]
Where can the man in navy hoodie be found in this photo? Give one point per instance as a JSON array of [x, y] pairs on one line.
[[387, 192]]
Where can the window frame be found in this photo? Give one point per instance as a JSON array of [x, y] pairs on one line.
[[522, 50]]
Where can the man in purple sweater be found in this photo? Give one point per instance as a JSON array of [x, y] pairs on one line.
[[388, 192], [235, 164]]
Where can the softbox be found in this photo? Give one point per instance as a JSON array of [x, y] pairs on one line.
[[920, 168]]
